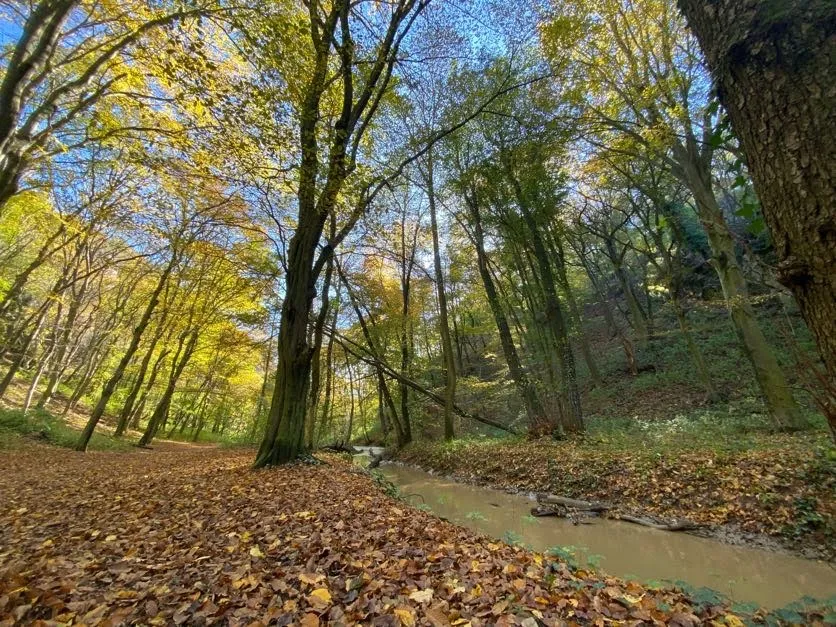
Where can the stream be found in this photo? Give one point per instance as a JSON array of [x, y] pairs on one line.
[[744, 575]]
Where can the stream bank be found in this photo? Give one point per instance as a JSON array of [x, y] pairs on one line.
[[744, 575], [778, 496]]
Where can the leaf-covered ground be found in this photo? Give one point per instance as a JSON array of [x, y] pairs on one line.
[[784, 487], [191, 535]]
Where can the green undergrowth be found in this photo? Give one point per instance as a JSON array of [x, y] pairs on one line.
[[16, 428]]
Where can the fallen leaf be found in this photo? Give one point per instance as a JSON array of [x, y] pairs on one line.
[[406, 616], [422, 596], [320, 597]]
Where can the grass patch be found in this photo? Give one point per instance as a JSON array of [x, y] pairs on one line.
[[16, 427]]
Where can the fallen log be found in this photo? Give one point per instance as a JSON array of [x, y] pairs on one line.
[[562, 512], [575, 509], [353, 348], [551, 499], [682, 525]]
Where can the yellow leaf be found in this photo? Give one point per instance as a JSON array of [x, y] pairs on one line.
[[110, 538], [256, 552], [320, 597], [405, 616], [732, 620]]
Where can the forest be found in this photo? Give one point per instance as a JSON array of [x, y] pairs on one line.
[[584, 250]]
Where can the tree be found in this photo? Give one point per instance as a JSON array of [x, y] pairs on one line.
[[775, 69], [66, 61], [647, 98], [332, 30]]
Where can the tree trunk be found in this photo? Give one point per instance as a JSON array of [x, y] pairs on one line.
[[17, 361], [696, 354], [637, 317], [128, 407], [283, 438], [534, 410], [329, 376], [316, 361], [163, 405], [117, 375], [775, 67], [572, 416], [574, 313], [136, 415], [773, 385], [447, 354], [36, 43]]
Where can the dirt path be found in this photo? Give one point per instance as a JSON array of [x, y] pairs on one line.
[[183, 535]]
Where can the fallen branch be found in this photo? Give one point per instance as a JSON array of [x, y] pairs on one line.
[[551, 499], [646, 522], [562, 512], [352, 348], [574, 509]]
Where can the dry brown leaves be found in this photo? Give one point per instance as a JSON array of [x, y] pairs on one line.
[[193, 537]]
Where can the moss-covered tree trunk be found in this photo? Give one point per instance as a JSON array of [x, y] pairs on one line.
[[771, 380], [775, 67]]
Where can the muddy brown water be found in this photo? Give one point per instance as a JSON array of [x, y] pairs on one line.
[[743, 574]]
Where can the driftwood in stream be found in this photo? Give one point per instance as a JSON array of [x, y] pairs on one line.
[[575, 510], [683, 525], [551, 499], [576, 516]]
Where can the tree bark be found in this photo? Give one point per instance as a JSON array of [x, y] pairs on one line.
[[447, 355], [117, 375], [534, 410], [775, 68], [771, 380]]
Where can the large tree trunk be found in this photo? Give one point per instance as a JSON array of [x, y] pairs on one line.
[[775, 67], [283, 438], [448, 357]]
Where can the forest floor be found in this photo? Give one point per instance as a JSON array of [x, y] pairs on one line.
[[771, 490], [191, 535]]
